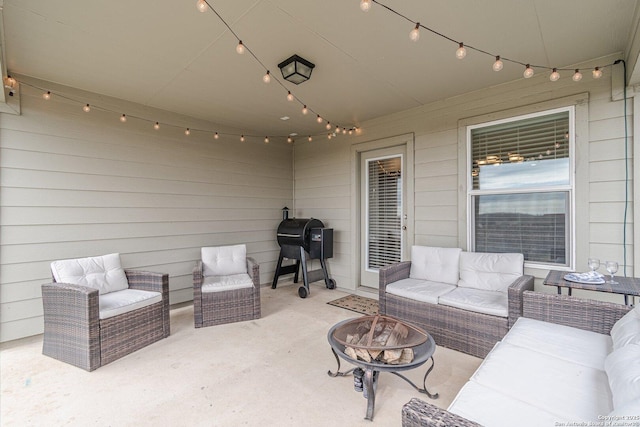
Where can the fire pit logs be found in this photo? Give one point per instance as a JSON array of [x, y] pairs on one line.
[[380, 339]]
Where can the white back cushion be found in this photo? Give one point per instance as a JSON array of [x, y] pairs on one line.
[[623, 370], [224, 260], [103, 273], [435, 264], [489, 271], [627, 329]]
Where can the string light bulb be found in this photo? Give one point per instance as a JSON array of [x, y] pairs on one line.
[[329, 136], [344, 131], [414, 35], [267, 77], [461, 52], [319, 119], [241, 138], [328, 126], [305, 110], [528, 72], [266, 139], [123, 118], [202, 6], [240, 48], [47, 95], [289, 139], [187, 131], [289, 96], [337, 129], [310, 139], [365, 5], [216, 136], [86, 108], [597, 73], [498, 65], [555, 75], [156, 126], [577, 76]]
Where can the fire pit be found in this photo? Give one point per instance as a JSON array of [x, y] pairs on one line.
[[380, 344]]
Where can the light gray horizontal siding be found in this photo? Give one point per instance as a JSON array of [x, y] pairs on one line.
[[321, 165], [76, 184]]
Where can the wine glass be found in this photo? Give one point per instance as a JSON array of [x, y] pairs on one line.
[[594, 264], [612, 268]]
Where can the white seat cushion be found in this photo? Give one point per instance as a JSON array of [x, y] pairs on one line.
[[226, 283], [480, 301], [119, 302], [103, 273], [623, 370], [489, 271], [435, 264], [571, 390], [490, 407], [564, 342], [627, 329], [419, 290], [224, 260]]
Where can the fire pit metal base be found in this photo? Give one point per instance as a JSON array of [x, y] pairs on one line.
[[422, 352]]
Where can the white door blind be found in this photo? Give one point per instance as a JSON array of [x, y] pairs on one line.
[[384, 216]]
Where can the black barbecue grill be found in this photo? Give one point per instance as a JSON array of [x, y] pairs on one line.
[[301, 239]]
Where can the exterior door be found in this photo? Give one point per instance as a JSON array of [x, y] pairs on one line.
[[382, 206]]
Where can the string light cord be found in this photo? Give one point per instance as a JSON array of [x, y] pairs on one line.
[[98, 107], [300, 101], [626, 167], [479, 50]]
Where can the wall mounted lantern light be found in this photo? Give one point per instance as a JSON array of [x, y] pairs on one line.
[[296, 69]]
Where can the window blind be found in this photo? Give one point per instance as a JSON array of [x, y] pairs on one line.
[[384, 212]]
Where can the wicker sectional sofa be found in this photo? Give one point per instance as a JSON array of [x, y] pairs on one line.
[[567, 361], [466, 300]]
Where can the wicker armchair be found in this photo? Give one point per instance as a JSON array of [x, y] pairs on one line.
[[226, 286], [79, 332]]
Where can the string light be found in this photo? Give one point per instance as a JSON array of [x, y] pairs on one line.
[[86, 108], [577, 76], [498, 65], [365, 5], [414, 35], [310, 139], [47, 95], [156, 126], [305, 110], [319, 119], [328, 126], [289, 139], [241, 138], [555, 75], [289, 96], [187, 131], [337, 129], [528, 72], [329, 136], [266, 139], [240, 48], [202, 6], [344, 131], [123, 118], [597, 73], [216, 136], [461, 52], [267, 77]]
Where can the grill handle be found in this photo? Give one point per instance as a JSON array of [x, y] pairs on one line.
[[289, 235]]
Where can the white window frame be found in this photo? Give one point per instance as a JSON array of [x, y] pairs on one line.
[[570, 188]]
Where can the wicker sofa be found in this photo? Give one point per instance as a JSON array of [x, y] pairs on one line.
[[567, 361], [467, 301]]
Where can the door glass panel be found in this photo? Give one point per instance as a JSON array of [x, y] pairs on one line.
[[384, 212]]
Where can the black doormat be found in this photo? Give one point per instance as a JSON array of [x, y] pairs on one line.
[[362, 305]]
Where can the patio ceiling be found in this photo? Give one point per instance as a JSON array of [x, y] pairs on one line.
[[165, 54]]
